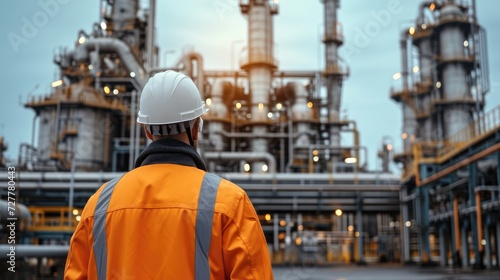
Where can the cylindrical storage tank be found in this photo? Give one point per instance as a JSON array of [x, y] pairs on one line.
[[73, 121]]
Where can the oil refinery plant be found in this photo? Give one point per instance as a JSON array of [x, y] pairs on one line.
[[277, 134]]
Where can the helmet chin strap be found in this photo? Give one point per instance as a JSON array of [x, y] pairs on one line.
[[188, 131]]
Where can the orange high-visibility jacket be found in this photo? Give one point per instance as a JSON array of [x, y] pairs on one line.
[[168, 221]]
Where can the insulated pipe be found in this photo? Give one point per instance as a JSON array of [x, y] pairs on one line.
[[243, 156], [192, 71], [113, 45], [23, 251], [21, 213]]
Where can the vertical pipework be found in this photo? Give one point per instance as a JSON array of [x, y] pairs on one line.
[[150, 40], [409, 122], [260, 66], [334, 72]]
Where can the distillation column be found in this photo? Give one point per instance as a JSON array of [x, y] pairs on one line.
[[260, 67], [334, 72], [456, 89]]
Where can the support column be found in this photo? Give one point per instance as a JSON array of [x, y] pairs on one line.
[[443, 254], [456, 231], [465, 244], [423, 222], [275, 233], [487, 247], [473, 218], [405, 232], [497, 241], [359, 218]]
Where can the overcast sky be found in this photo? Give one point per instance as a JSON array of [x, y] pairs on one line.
[[211, 27]]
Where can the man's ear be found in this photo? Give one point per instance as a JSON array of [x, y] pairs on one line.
[[148, 134]]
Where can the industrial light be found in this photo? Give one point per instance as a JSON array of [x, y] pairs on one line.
[[309, 104], [483, 242], [466, 43], [408, 224], [404, 135], [238, 105], [396, 76], [315, 158], [106, 89], [391, 224], [246, 167], [82, 40], [411, 30], [415, 69], [351, 160], [75, 212], [103, 25], [78, 218], [115, 91], [432, 7], [438, 84], [279, 106], [267, 217], [298, 241], [56, 83], [91, 67], [315, 152], [265, 168], [282, 223], [338, 212], [389, 147], [356, 234], [261, 106], [208, 101], [300, 227], [424, 26], [350, 228], [269, 115], [132, 74]]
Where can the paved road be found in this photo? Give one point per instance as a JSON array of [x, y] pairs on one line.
[[381, 272]]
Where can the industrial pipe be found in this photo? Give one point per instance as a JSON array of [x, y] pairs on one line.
[[35, 251], [113, 45], [243, 156], [188, 59], [21, 213], [459, 165]]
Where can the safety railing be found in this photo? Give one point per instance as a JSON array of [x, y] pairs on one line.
[[54, 219]]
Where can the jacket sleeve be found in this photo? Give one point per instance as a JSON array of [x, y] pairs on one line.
[[77, 263], [245, 250]]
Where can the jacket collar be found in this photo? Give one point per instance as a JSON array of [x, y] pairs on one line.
[[170, 151]]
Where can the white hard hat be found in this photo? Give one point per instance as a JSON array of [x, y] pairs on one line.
[[170, 97]]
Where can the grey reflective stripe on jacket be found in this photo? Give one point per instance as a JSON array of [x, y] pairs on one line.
[[204, 217]]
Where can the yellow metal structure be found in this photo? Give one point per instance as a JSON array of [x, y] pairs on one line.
[[54, 219]]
